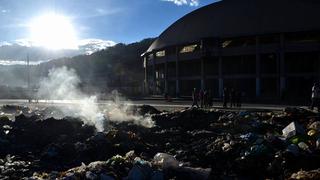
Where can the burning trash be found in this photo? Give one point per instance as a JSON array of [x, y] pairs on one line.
[[184, 144], [81, 140]]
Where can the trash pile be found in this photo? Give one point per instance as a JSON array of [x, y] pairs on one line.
[[185, 144]]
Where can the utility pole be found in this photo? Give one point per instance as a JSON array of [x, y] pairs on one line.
[[28, 76]]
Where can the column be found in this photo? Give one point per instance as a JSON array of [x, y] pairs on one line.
[[220, 77], [318, 71], [166, 76], [146, 86], [258, 69], [177, 73], [202, 74], [282, 65], [154, 75]]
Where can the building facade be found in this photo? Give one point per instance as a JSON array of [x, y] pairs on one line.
[[267, 49]]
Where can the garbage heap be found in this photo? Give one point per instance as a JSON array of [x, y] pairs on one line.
[[184, 144]]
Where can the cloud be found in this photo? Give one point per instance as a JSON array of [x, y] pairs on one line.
[[90, 46], [5, 11], [104, 12], [24, 42], [14, 52], [14, 25], [99, 12], [194, 3], [184, 2], [4, 62], [5, 43]]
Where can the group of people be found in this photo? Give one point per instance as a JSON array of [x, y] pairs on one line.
[[231, 96], [203, 96]]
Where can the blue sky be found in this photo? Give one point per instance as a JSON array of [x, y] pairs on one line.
[[116, 20]]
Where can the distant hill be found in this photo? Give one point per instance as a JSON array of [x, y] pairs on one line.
[[116, 66], [17, 53], [119, 65]]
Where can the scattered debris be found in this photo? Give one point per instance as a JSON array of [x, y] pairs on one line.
[[186, 144], [306, 175]]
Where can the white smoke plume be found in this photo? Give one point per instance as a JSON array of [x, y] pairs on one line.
[[63, 84], [119, 112]]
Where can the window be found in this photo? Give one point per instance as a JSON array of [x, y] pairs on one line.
[[150, 56], [239, 42], [190, 48], [226, 43], [161, 53], [269, 39], [268, 63], [301, 62], [190, 68], [245, 64], [303, 37]]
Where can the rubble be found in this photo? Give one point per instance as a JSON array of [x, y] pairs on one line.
[[145, 109], [186, 144], [306, 175], [292, 129]]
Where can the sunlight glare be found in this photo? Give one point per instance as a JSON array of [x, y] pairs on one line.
[[53, 32]]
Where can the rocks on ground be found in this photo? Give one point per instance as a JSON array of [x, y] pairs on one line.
[[186, 144]]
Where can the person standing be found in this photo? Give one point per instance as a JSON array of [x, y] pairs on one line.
[[195, 98], [201, 97], [205, 98], [225, 97], [232, 98], [209, 99], [238, 99], [315, 96], [166, 96]]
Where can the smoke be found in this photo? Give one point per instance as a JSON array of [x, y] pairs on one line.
[[63, 84], [120, 112]]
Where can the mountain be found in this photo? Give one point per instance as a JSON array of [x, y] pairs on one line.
[[117, 67], [17, 53], [36, 54], [89, 46]]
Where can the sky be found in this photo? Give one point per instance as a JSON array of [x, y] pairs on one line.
[[119, 21]]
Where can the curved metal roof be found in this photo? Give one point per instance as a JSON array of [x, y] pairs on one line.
[[232, 18]]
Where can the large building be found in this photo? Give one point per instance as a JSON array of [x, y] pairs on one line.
[[268, 49]]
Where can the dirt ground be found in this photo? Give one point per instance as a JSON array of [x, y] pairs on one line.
[[182, 144]]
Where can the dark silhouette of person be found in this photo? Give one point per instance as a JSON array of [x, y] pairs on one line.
[[225, 97], [201, 97], [238, 98], [283, 94], [209, 99], [166, 96], [315, 96], [195, 98], [232, 97], [205, 98]]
